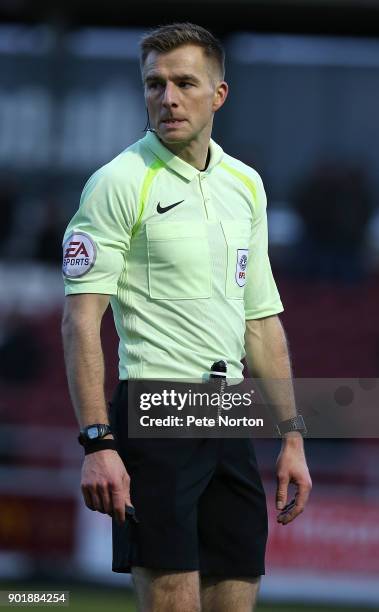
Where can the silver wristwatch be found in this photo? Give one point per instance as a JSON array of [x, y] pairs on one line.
[[296, 423]]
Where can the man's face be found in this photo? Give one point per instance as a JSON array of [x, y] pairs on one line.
[[182, 92]]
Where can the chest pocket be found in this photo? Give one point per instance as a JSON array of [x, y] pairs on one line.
[[237, 236], [178, 261]]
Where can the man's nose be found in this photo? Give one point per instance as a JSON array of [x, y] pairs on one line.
[[169, 96]]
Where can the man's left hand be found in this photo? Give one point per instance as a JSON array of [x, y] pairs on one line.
[[291, 467]]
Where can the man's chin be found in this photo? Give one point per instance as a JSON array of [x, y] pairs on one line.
[[171, 137]]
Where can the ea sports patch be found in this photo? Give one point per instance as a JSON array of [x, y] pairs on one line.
[[241, 266], [79, 255]]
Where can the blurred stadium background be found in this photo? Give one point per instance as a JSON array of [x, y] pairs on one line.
[[303, 110]]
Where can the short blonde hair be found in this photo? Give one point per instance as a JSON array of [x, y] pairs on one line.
[[169, 37]]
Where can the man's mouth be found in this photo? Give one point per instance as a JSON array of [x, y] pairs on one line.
[[172, 122]]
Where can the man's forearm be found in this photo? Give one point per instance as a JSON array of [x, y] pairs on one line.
[[105, 482], [85, 371], [268, 359]]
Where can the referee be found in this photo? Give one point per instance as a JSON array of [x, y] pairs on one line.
[[173, 233]]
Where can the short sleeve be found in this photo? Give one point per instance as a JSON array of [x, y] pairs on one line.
[[97, 238], [261, 295]]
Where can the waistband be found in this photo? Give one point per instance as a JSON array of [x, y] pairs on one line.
[[200, 386]]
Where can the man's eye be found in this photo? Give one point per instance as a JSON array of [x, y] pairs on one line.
[[185, 84]]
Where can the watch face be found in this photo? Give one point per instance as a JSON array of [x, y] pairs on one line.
[[92, 433]]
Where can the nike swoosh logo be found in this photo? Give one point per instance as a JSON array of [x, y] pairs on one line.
[[164, 209]]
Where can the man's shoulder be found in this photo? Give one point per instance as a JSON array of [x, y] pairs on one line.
[[121, 177], [129, 166], [249, 177], [241, 167]]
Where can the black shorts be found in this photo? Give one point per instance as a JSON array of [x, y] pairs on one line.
[[200, 503]]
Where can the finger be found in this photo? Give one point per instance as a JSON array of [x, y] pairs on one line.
[[281, 492], [302, 495], [96, 503], [301, 498], [111, 509], [287, 517], [87, 498], [120, 500], [105, 499], [288, 507], [97, 499], [287, 511]]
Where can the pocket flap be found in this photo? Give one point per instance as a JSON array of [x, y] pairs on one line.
[[236, 229], [172, 230]]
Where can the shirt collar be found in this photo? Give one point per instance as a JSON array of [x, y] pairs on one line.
[[177, 164]]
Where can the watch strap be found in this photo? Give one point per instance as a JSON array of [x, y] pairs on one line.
[[93, 446], [103, 429], [296, 423]]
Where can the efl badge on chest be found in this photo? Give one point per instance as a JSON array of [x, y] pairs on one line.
[[241, 266]]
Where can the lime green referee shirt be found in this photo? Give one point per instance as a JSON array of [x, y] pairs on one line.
[[181, 252]]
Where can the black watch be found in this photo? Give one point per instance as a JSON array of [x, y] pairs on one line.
[[294, 424], [93, 432]]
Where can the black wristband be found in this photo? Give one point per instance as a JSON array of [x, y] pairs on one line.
[[93, 446]]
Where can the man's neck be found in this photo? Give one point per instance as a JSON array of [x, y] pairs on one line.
[[195, 154]]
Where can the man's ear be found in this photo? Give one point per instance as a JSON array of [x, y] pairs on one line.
[[220, 95]]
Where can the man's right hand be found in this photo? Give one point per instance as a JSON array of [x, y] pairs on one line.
[[106, 484]]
